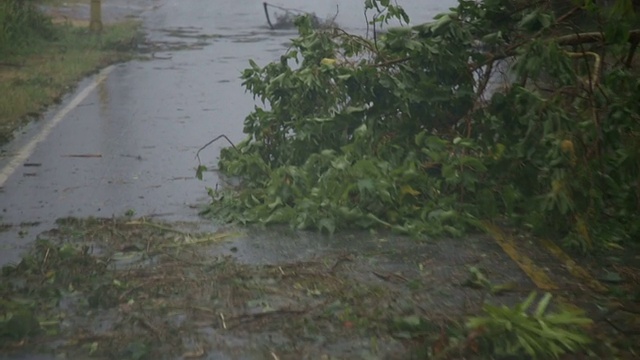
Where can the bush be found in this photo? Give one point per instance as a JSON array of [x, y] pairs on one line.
[[21, 23]]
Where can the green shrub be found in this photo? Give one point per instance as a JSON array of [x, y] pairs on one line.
[[21, 23]]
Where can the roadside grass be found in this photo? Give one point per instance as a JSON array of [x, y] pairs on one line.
[[40, 74]]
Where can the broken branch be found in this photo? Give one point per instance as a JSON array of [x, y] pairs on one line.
[[212, 141]]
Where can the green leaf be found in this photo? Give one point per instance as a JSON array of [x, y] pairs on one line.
[[277, 202], [441, 24], [327, 224], [542, 305], [365, 185], [201, 169]]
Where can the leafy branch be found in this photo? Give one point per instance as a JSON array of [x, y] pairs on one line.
[[523, 331]]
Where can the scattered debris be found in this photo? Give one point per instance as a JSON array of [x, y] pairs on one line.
[[287, 19], [134, 288], [83, 155]]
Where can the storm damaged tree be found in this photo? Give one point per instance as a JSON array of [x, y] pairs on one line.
[[519, 111]]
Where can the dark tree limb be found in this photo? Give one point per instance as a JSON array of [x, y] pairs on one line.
[[211, 142], [591, 37], [266, 13]]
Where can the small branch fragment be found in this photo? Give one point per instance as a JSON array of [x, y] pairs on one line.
[[224, 324], [211, 142]]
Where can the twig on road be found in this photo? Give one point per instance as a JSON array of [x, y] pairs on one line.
[[211, 142], [83, 155]]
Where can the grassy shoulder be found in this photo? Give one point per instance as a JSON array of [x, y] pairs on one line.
[[41, 73]]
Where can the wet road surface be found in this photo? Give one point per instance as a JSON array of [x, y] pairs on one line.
[[130, 144]]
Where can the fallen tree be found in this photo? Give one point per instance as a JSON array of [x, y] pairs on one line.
[[497, 111]]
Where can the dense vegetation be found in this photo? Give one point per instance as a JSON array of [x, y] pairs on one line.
[[20, 25], [525, 112]]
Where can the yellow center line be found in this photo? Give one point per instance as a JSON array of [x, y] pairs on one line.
[[535, 273], [538, 275], [574, 269]]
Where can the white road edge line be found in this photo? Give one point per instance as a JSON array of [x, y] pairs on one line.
[[27, 150]]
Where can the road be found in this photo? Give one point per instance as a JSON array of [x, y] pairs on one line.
[[125, 140]]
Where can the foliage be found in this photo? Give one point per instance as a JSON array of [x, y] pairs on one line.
[[20, 24], [518, 331], [496, 109], [22, 304], [17, 320]]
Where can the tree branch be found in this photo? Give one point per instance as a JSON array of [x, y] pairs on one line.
[[591, 37]]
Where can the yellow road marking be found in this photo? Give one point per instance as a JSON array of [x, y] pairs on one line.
[[574, 269], [535, 273]]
